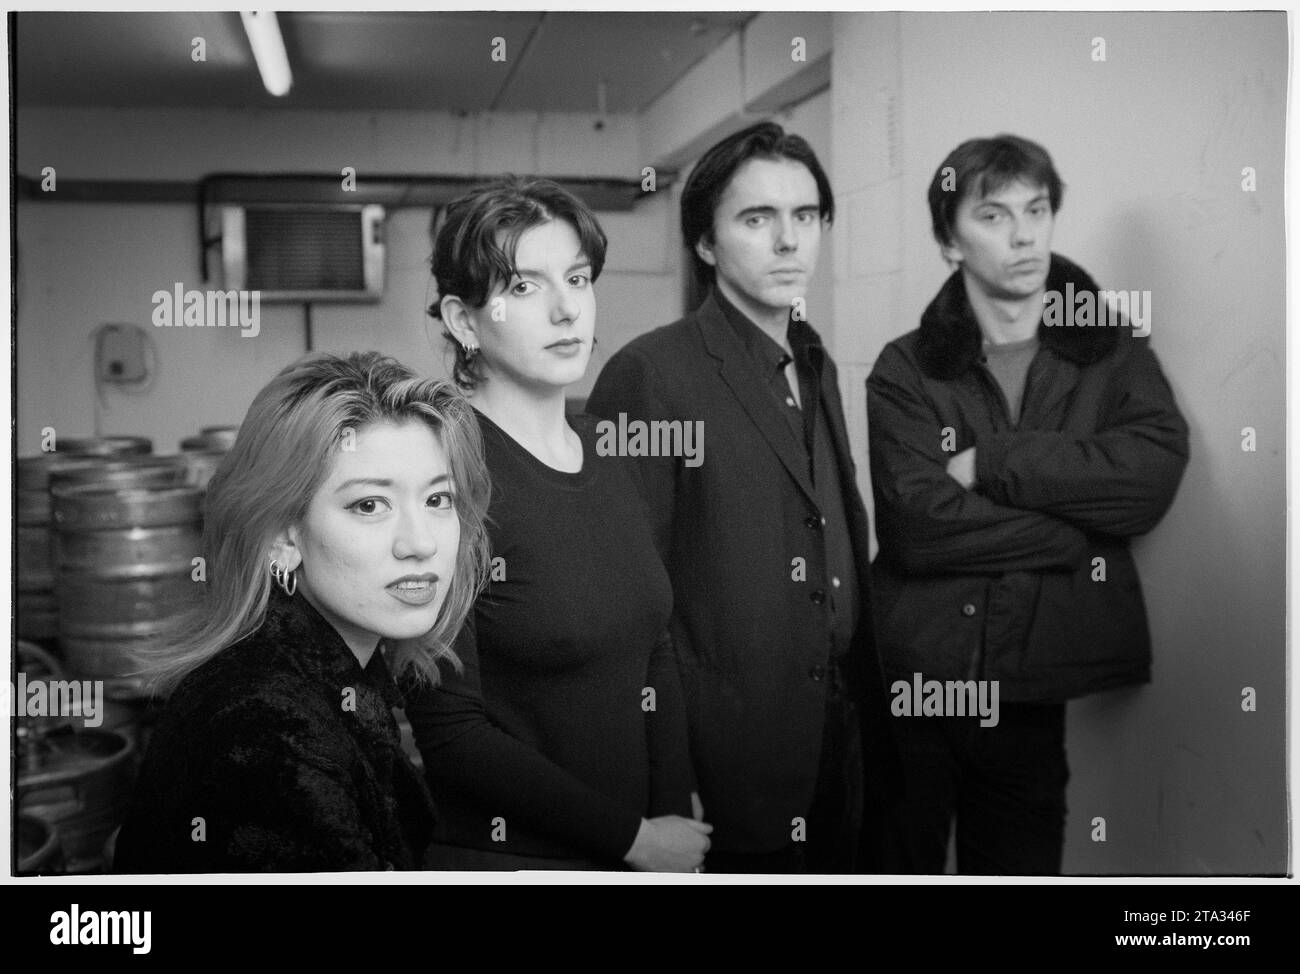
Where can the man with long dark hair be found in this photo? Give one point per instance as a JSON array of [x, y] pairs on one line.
[[766, 539]]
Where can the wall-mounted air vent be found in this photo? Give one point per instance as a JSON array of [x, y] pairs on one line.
[[304, 252]]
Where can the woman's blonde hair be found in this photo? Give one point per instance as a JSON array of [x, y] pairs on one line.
[[279, 460]]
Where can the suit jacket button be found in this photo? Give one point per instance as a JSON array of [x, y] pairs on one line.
[[810, 522], [818, 597], [968, 609], [818, 673]]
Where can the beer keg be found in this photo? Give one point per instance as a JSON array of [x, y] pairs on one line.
[[128, 715], [114, 459], [219, 437], [39, 850], [103, 446], [37, 608], [79, 781], [201, 463], [204, 453], [37, 612], [124, 561], [131, 471]]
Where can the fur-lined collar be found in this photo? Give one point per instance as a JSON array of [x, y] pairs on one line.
[[949, 342]]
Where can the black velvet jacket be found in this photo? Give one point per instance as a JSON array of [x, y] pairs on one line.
[[279, 754]]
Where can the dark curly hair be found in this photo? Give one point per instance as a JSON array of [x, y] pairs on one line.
[[474, 251]]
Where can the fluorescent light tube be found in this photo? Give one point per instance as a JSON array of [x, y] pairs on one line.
[[268, 50]]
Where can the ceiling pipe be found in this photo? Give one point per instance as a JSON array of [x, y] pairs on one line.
[[392, 191]]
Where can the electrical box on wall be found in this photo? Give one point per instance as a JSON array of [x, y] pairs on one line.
[[121, 355]]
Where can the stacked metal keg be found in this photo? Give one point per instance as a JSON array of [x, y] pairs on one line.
[[36, 611], [74, 782], [37, 608], [203, 453], [125, 553], [109, 539]]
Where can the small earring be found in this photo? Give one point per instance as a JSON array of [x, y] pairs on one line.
[[470, 352], [287, 580]]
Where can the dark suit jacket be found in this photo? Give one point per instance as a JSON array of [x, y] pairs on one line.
[[753, 642]]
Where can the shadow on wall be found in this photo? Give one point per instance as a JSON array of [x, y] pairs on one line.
[[1187, 780]]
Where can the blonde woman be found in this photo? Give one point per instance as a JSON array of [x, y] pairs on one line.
[[345, 544]]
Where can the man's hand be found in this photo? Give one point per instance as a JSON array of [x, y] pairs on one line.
[[669, 843], [961, 468]]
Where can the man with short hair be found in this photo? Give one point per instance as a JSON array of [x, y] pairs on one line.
[[766, 541], [1018, 443]]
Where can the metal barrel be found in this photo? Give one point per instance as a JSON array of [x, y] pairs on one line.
[[33, 506], [204, 453], [119, 608], [39, 850], [132, 718], [38, 615], [110, 461], [34, 471], [36, 609], [219, 437], [103, 446], [35, 568], [79, 781], [38, 673], [124, 561], [118, 471], [200, 463], [87, 508], [37, 661]]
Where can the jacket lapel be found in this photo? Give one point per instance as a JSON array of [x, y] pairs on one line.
[[834, 413], [738, 373]]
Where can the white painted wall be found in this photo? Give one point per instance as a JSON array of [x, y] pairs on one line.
[[84, 264]]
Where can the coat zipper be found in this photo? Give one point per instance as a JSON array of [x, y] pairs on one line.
[[991, 381]]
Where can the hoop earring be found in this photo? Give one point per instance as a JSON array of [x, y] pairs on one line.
[[287, 580]]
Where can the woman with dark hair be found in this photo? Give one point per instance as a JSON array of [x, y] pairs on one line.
[[344, 545], [562, 744]]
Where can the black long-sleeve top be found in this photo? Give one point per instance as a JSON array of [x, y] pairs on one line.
[[566, 725]]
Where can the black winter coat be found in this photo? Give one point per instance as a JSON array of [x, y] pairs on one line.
[[1026, 579]]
